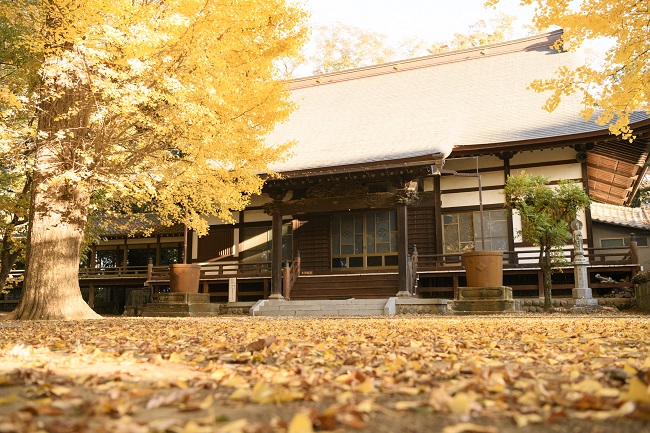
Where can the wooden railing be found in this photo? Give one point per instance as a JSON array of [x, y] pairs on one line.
[[128, 271], [530, 258], [217, 270], [412, 272], [290, 274]]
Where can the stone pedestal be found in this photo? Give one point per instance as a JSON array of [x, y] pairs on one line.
[[483, 300], [582, 292], [180, 305]]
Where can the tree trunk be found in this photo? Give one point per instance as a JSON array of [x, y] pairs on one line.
[[51, 287], [547, 271], [60, 196]]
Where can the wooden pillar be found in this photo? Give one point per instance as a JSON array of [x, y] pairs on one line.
[[540, 284], [402, 250], [126, 253], [157, 250], [437, 214], [588, 221], [276, 256], [506, 156], [91, 296]]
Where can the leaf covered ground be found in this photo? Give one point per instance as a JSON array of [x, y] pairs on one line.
[[258, 375]]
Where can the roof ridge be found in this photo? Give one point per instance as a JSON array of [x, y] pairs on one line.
[[536, 42]]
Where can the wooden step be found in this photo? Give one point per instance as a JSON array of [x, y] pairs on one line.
[[341, 286]]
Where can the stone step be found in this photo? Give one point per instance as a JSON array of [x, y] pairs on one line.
[[356, 302], [324, 313], [347, 307]]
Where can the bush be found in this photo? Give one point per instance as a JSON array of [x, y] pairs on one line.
[[641, 277]]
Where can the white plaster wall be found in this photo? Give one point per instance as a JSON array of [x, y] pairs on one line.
[[544, 155], [427, 184], [470, 163], [214, 221], [471, 198], [259, 200], [554, 172], [255, 216], [491, 178]]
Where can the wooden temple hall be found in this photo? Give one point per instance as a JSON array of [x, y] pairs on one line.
[[394, 168]]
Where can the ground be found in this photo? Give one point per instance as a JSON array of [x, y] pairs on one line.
[[545, 373]]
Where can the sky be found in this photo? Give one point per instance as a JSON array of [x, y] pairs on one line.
[[431, 20]]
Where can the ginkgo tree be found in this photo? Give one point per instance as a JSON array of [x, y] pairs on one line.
[[158, 103], [546, 213], [616, 87]]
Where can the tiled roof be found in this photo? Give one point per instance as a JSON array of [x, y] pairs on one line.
[[635, 217], [428, 105]]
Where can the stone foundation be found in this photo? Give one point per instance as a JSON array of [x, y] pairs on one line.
[[181, 305], [483, 300], [536, 305], [422, 306]]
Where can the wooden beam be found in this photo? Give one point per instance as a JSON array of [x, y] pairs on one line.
[[377, 200]]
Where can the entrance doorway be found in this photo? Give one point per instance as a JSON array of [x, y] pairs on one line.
[[364, 240]]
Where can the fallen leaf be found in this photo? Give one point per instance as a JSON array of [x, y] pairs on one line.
[[301, 423], [469, 428]]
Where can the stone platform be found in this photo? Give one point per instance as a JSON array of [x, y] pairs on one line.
[[180, 305], [483, 300]]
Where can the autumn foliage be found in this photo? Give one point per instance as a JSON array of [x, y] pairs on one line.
[[160, 106], [617, 87], [242, 374]]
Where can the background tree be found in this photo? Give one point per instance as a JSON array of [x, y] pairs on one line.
[[341, 47], [497, 29], [14, 207], [18, 78], [546, 212], [142, 102], [619, 85]]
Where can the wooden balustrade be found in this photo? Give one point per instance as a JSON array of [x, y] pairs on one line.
[[530, 258], [290, 274]]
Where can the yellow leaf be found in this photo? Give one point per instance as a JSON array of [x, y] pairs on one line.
[[262, 393], [207, 402], [460, 403], [630, 369], [407, 405], [235, 382], [176, 357], [301, 423], [528, 399], [587, 385], [240, 394], [365, 406], [522, 420], [465, 427], [638, 391], [366, 387], [344, 397]]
